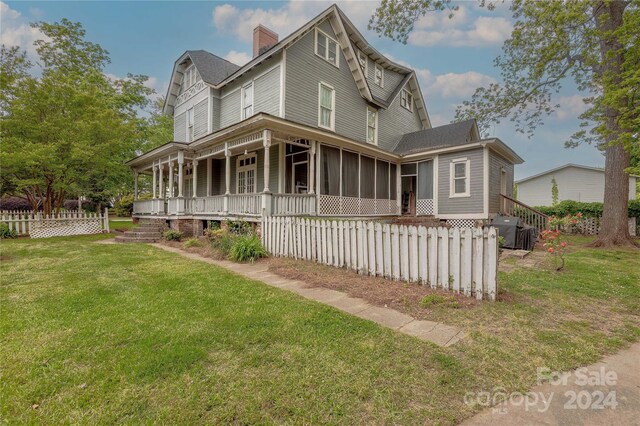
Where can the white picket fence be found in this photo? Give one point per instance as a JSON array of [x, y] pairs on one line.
[[460, 260], [38, 225]]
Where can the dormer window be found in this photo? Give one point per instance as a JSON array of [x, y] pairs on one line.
[[406, 99], [362, 59], [326, 47], [379, 75]]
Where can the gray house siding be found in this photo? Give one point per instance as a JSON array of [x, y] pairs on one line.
[[390, 80], [200, 119], [230, 107], [266, 93], [496, 164], [215, 110], [305, 70], [394, 122], [217, 177], [202, 179], [461, 205], [179, 127]]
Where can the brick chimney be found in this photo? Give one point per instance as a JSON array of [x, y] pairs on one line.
[[263, 39]]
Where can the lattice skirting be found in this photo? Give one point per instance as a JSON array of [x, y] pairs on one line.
[[353, 206], [461, 223], [63, 227], [424, 207]]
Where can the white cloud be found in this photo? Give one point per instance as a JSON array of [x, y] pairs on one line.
[[238, 58], [229, 19], [452, 85], [459, 31], [570, 107], [16, 31]]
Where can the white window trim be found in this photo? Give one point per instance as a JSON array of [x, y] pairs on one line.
[[409, 96], [366, 61], [467, 177], [242, 105], [253, 167], [333, 106], [378, 66], [326, 53], [375, 138]]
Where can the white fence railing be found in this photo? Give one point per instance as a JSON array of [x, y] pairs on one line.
[[333, 205], [38, 225], [460, 260], [293, 204], [245, 203], [143, 207]]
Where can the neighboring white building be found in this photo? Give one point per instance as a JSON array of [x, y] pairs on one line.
[[575, 182]]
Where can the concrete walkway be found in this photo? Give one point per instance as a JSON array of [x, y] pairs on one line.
[[434, 332], [606, 393]]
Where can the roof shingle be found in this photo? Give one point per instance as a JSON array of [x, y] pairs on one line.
[[213, 69], [437, 137]]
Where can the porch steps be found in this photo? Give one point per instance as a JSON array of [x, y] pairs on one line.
[[147, 231]]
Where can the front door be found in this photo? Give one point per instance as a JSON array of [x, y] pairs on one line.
[[300, 176]]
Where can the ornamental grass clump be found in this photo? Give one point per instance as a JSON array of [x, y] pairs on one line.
[[172, 235], [247, 248]]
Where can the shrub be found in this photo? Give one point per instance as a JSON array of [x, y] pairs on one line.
[[5, 232], [569, 207], [192, 242], [247, 248], [172, 235], [239, 227], [554, 246], [14, 203], [124, 206]]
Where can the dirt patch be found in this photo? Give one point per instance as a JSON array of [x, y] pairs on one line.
[[4, 258], [411, 298], [204, 249]]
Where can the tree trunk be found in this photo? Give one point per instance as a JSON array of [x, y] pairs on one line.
[[614, 230]]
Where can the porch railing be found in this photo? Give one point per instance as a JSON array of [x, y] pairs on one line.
[[527, 214], [333, 205], [289, 204], [143, 207], [214, 204], [245, 204]]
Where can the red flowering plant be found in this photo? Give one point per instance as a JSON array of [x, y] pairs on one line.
[[552, 241]]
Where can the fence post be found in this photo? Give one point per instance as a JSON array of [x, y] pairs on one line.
[[106, 219], [492, 263]]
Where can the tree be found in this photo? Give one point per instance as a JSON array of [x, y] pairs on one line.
[[554, 191], [68, 131], [159, 127], [595, 44]]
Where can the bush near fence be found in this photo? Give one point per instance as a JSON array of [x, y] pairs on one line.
[[569, 207], [460, 260]]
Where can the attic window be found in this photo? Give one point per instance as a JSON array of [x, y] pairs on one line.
[[190, 77], [326, 47], [406, 99], [379, 75], [362, 59]]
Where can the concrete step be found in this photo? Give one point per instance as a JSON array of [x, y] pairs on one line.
[[137, 234]]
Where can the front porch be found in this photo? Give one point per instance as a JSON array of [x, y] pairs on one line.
[[267, 173]]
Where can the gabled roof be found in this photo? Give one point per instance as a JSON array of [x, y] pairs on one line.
[[437, 137], [566, 166], [221, 72], [212, 69]]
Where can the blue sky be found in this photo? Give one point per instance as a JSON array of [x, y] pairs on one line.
[[451, 56]]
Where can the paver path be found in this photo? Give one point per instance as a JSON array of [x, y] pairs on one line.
[[614, 380], [438, 333]]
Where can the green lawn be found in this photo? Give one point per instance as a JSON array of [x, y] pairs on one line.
[[120, 223], [128, 333]]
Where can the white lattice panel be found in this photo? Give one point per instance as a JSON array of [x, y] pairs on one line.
[[63, 227], [329, 205], [461, 223], [424, 207], [368, 206]]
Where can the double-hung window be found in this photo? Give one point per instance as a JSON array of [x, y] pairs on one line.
[[362, 59], [379, 75], [459, 178], [406, 99], [246, 174], [247, 100], [372, 126], [190, 124], [326, 47], [326, 107]]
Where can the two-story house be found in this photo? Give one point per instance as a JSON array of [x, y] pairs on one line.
[[318, 124]]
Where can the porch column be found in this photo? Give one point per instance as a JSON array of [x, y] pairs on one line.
[[399, 188], [195, 177], [312, 168], [155, 182], [209, 177], [266, 142], [161, 187], [227, 178], [135, 185], [180, 175], [171, 179]]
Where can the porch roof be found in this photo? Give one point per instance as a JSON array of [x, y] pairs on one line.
[[160, 151]]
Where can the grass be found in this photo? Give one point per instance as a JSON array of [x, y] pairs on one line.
[[128, 333], [120, 223]]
